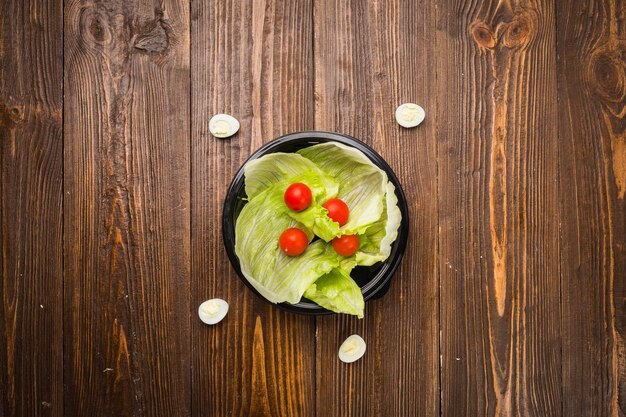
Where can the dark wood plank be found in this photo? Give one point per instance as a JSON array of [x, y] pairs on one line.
[[252, 60], [31, 194], [369, 58], [127, 224], [592, 135], [498, 213]]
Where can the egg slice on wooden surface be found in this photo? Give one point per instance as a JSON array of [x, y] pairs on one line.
[[410, 115], [352, 349], [213, 311], [223, 125]]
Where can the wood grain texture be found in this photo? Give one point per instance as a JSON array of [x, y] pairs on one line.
[[369, 58], [498, 212], [592, 160], [127, 221], [31, 179], [511, 299], [252, 60]]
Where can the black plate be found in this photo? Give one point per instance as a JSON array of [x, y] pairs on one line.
[[374, 280]]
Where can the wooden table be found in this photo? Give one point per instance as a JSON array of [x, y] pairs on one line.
[[510, 301]]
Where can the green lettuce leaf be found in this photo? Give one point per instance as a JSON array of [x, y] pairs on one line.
[[280, 170], [362, 184], [375, 243], [278, 277], [316, 218], [337, 292], [288, 168], [330, 170]]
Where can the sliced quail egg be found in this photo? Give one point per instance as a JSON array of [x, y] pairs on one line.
[[410, 115], [223, 125], [213, 311], [352, 349]]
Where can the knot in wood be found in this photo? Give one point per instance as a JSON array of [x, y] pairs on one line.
[[607, 75], [94, 27], [155, 41], [153, 37], [10, 116], [519, 32], [483, 35]]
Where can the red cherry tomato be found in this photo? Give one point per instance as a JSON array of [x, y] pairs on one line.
[[337, 210], [346, 245], [293, 241], [298, 196]]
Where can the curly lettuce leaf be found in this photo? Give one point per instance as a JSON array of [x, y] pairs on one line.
[[278, 277], [330, 170], [375, 243], [337, 291], [280, 170], [316, 218], [362, 184], [288, 168]]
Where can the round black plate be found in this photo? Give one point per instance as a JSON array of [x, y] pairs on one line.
[[374, 280]]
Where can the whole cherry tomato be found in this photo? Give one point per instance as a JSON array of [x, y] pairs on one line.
[[298, 196], [346, 245], [293, 241], [337, 210]]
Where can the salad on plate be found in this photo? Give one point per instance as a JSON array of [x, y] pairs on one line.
[[311, 217]]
